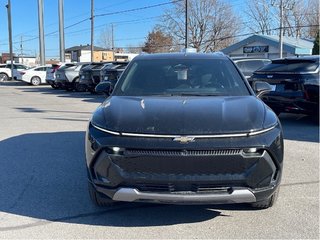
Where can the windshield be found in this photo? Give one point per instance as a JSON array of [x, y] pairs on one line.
[[194, 77]]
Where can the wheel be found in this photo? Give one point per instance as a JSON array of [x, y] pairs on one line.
[[35, 81], [54, 86], [80, 87], [58, 85], [97, 198], [4, 77], [264, 204]]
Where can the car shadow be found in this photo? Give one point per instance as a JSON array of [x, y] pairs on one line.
[[47, 89], [299, 127], [43, 176]]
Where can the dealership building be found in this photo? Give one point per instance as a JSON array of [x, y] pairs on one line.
[[267, 46]]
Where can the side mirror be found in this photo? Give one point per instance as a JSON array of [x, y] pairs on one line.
[[104, 87], [261, 88]]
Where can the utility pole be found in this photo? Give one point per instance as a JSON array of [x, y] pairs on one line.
[[41, 33], [92, 28], [61, 31], [281, 29], [21, 49], [282, 7], [8, 6], [112, 40], [186, 24]]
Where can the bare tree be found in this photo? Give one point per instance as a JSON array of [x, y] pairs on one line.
[[300, 17], [312, 18], [105, 38], [211, 24], [157, 41], [299, 12], [260, 17]]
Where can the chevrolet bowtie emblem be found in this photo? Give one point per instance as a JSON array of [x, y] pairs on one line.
[[184, 139]]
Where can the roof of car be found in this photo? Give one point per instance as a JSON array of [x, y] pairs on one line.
[[180, 55]]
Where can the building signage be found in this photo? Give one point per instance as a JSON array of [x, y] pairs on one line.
[[256, 49]]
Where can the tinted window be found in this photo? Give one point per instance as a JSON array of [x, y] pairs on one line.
[[97, 67], [40, 69], [21, 67], [112, 75], [66, 66], [250, 66], [285, 65], [181, 76], [81, 66], [254, 65]]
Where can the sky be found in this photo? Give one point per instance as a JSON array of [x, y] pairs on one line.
[[130, 28]]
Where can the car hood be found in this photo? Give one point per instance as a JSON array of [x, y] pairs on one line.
[[181, 115]]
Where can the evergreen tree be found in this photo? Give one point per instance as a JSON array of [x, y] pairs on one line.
[[315, 49]]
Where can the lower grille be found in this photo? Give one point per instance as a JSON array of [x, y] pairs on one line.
[[172, 188], [183, 152]]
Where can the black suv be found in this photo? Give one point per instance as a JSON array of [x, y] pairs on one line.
[[93, 74], [184, 128], [295, 83]]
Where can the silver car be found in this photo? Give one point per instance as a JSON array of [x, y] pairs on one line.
[[67, 77]]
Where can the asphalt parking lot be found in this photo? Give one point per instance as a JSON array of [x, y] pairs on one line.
[[43, 190]]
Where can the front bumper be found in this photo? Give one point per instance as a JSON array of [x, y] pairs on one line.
[[206, 171], [61, 82], [237, 195], [87, 83]]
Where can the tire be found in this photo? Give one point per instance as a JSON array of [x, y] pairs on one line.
[[98, 199], [264, 204], [79, 87], [58, 85], [54, 86], [35, 81], [4, 77]]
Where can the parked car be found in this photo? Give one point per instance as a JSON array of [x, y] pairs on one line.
[[67, 77], [51, 75], [35, 76], [5, 71], [184, 128], [295, 83], [97, 72], [248, 65], [90, 74], [113, 72]]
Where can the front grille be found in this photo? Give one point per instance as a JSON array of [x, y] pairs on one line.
[[183, 152], [185, 162]]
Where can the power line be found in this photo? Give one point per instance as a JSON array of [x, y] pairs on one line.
[[137, 9]]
